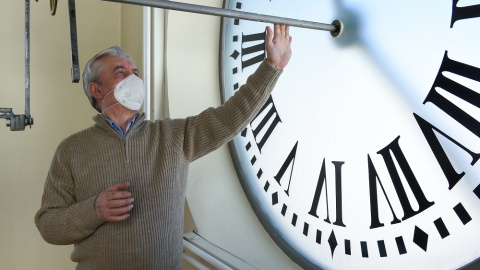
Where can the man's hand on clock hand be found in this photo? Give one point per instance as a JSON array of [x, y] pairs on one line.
[[278, 46]]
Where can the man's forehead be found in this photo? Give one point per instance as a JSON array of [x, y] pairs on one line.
[[113, 61]]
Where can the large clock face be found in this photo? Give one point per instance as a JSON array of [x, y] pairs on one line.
[[365, 156]]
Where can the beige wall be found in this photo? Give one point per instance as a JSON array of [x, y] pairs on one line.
[[131, 35]]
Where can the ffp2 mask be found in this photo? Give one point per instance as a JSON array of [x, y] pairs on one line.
[[130, 93]]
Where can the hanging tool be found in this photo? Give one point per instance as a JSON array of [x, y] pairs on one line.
[[73, 41]]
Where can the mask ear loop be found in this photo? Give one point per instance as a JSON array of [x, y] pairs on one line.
[[103, 100]]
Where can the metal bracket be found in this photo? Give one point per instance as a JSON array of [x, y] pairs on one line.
[[15, 122]]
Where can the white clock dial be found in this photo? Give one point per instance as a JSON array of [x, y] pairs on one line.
[[366, 154]]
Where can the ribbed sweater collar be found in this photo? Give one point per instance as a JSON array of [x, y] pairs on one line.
[[101, 123]]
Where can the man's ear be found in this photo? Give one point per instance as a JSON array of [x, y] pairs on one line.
[[95, 90]]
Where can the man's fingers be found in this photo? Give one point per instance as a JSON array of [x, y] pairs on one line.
[[114, 210], [119, 203], [117, 195], [114, 203], [285, 32], [117, 192], [269, 34], [119, 187], [118, 214], [119, 211], [109, 203], [277, 29], [279, 32], [118, 218]]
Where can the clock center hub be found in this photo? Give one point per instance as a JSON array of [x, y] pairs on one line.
[[337, 33]]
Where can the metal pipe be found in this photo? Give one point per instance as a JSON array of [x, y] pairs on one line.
[[230, 14], [27, 58]]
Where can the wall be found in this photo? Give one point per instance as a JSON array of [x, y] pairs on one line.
[[131, 32]]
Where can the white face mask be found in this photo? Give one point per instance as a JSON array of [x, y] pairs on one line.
[[130, 93]]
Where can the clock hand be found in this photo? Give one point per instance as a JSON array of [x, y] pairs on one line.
[[354, 35], [351, 23], [230, 14], [390, 71]]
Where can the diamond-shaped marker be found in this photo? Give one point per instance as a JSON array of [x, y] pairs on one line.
[[332, 241], [420, 238], [477, 191], [235, 54]]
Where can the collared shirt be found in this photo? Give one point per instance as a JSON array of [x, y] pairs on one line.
[[117, 128]]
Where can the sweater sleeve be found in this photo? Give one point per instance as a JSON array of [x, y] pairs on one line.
[[216, 126], [62, 220]]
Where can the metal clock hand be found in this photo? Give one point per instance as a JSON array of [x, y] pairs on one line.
[[231, 14]]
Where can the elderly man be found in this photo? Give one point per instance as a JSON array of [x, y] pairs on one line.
[[116, 190]]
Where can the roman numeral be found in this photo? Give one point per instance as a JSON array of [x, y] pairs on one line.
[[461, 13], [272, 112], [290, 160], [322, 179], [250, 54], [453, 111], [458, 90], [338, 189], [374, 218], [423, 203], [450, 173]]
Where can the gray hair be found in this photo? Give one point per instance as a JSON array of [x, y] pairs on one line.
[[93, 70]]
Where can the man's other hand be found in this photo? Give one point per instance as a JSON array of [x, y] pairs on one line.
[[114, 203]]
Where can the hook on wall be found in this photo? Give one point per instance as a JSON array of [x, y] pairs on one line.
[[53, 6]]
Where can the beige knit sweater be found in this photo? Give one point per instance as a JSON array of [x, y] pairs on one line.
[[154, 158]]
